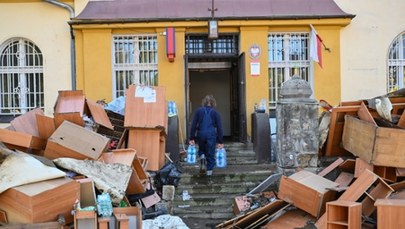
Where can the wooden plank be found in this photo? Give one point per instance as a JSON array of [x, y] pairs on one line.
[[381, 191], [99, 115], [361, 166], [364, 114], [145, 115], [73, 117], [147, 143], [400, 172], [70, 101], [359, 137], [348, 165], [398, 186], [344, 179], [269, 209], [294, 218], [353, 193], [3, 217], [71, 140], [389, 147], [331, 167], [21, 139], [27, 123], [47, 225], [103, 222], [333, 143], [45, 125], [401, 122]]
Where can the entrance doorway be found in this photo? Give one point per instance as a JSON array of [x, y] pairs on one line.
[[225, 81], [214, 66]]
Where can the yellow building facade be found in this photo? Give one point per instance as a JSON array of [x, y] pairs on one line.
[[94, 58]]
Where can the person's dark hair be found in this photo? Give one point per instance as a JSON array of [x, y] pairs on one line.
[[209, 100]]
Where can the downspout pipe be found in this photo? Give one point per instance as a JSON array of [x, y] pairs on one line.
[[72, 39]]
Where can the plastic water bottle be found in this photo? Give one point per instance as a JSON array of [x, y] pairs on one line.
[[220, 157], [191, 154], [104, 205], [174, 108]]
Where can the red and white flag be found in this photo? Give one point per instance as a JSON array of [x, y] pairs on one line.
[[315, 49]]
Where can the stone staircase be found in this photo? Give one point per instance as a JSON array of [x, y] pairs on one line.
[[212, 204]]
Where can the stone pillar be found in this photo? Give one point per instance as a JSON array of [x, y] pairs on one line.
[[297, 127]]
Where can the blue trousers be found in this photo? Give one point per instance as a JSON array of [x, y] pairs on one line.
[[206, 146]]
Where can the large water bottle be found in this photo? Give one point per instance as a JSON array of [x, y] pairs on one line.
[[220, 158], [191, 154]]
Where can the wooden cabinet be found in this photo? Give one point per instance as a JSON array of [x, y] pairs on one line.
[[390, 213], [343, 214]]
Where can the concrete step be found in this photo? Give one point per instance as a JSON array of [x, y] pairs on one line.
[[212, 204]]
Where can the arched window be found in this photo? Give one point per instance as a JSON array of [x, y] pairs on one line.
[[396, 64], [21, 78]]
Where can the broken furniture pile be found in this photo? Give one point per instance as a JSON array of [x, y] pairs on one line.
[[364, 186], [94, 162]]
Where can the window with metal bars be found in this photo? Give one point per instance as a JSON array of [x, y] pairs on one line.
[[288, 55], [135, 61], [201, 45], [21, 77], [396, 64]]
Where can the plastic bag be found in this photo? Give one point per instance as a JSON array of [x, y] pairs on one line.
[[169, 174]]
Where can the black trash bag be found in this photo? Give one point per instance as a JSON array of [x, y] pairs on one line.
[[169, 174]]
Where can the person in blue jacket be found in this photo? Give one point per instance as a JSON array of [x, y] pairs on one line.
[[206, 129]]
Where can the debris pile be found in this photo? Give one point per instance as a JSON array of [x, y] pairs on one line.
[[88, 166]]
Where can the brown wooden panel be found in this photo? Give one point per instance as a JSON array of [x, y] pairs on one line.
[[73, 117], [344, 179], [365, 115], [145, 115], [380, 191], [361, 166], [331, 167], [294, 218], [99, 115], [390, 213], [27, 123], [333, 143], [21, 139], [46, 126], [359, 137], [70, 101], [147, 143], [389, 147]]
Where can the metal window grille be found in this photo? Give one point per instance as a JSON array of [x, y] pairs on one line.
[[21, 77], [288, 55], [396, 64], [135, 61], [201, 45]]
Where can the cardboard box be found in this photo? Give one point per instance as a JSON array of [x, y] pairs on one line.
[[240, 204], [376, 145], [307, 191], [71, 140], [40, 202]]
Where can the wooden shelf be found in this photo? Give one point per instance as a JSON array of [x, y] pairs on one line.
[[343, 214]]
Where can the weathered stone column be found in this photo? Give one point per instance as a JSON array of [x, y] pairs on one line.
[[297, 127]]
